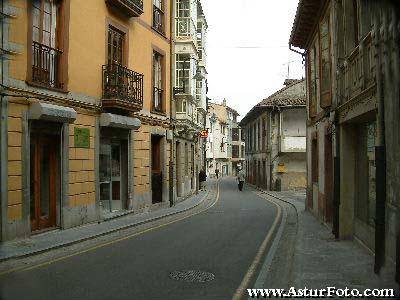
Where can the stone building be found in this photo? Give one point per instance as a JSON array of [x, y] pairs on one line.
[[225, 150], [275, 131], [85, 113], [190, 89], [351, 49]]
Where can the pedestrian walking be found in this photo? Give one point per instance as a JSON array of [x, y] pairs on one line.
[[202, 179], [216, 173], [240, 177]]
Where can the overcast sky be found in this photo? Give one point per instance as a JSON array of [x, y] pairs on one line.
[[247, 47]]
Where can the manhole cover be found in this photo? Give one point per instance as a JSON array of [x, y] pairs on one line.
[[192, 276]]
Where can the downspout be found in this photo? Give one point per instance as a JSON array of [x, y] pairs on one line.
[[336, 179], [3, 143], [171, 105], [379, 150], [336, 137], [396, 40]]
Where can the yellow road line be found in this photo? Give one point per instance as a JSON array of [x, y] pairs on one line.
[[23, 269], [257, 259]]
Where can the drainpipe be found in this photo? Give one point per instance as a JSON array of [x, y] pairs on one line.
[[336, 180], [171, 105], [380, 150], [3, 143], [396, 50]]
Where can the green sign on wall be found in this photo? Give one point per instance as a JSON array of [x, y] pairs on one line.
[[81, 137]]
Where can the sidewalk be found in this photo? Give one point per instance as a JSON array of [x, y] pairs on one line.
[[60, 238], [318, 260]]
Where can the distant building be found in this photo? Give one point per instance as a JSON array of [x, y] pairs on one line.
[[275, 131], [224, 145]]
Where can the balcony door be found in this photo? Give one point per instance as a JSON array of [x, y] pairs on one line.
[[116, 44], [45, 53], [43, 181], [156, 169]]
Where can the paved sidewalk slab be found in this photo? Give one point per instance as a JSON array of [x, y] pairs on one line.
[[60, 238], [320, 261]]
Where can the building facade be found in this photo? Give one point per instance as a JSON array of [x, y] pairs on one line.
[[190, 90], [275, 131], [225, 148], [85, 112], [352, 58]]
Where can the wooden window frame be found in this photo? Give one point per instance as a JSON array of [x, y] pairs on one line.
[[125, 31], [162, 53], [62, 43], [325, 96], [163, 9]]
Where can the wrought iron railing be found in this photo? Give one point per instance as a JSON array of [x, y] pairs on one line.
[[158, 19], [46, 66], [157, 99], [132, 8], [122, 84]]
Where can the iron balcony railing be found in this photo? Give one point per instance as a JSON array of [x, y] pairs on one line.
[[46, 66], [157, 99], [122, 84], [131, 8], [158, 19]]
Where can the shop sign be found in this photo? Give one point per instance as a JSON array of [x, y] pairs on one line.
[[81, 137], [204, 133]]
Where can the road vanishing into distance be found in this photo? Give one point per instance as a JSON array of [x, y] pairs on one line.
[[218, 245]]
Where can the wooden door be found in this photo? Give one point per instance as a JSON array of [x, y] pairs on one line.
[[156, 172], [43, 185]]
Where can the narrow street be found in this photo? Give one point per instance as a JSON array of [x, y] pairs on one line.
[[222, 240]]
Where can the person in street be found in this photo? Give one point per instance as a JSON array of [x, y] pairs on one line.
[[202, 179], [216, 173], [240, 177]]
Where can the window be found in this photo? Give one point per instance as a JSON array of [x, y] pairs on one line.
[[312, 81], [46, 57], [235, 151], [182, 71], [158, 16], [116, 44], [183, 20], [199, 87], [235, 134], [157, 82], [325, 62]]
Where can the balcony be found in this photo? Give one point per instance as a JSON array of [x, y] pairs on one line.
[[122, 88], [292, 144], [46, 66], [130, 8], [185, 28], [359, 69]]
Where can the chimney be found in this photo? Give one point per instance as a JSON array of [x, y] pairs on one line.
[[289, 81]]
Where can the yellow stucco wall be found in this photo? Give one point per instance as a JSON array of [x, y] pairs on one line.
[[81, 164], [87, 46], [15, 112]]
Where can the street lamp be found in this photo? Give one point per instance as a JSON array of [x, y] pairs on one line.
[[197, 76]]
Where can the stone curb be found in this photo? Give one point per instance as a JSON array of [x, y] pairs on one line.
[[91, 237]]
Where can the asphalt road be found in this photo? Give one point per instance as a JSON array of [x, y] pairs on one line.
[[222, 240]]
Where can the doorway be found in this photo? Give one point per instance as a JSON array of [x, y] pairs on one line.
[[44, 180], [156, 169], [113, 174]]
